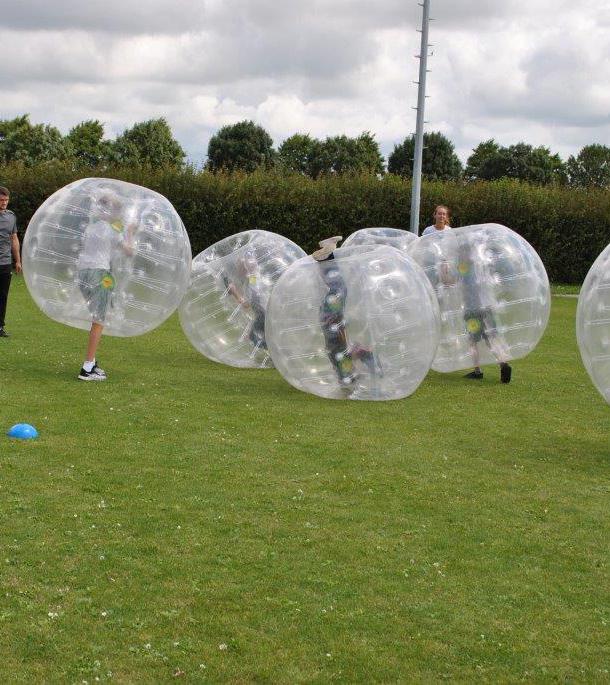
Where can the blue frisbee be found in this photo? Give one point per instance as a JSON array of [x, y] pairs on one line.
[[22, 431]]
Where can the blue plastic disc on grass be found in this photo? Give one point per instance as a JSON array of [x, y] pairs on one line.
[[22, 431]]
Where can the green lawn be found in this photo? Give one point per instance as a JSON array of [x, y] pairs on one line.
[[185, 519], [560, 289]]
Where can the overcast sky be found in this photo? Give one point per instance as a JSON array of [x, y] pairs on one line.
[[537, 71]]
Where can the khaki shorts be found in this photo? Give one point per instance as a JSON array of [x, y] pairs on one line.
[[97, 286], [480, 324]]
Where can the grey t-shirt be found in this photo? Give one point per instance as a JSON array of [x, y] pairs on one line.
[[8, 226]]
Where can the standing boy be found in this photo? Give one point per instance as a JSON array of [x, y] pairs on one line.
[[104, 236]]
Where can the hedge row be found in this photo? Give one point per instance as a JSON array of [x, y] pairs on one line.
[[568, 227]]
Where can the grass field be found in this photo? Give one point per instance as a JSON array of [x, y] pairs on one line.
[[187, 520]]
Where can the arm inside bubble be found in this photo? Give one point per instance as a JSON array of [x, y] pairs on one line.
[[128, 242]]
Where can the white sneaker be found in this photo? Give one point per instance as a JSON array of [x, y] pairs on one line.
[[96, 369], [90, 375]]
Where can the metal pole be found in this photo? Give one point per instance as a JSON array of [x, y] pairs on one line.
[[419, 130]]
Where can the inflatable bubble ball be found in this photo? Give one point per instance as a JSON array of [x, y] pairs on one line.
[[223, 312], [493, 293], [593, 323], [363, 325], [107, 251], [394, 237]]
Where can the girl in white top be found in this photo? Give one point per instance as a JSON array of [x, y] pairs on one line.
[[442, 215]]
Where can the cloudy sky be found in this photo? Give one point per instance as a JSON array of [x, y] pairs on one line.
[[537, 71]]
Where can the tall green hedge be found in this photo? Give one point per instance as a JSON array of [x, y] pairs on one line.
[[568, 227]]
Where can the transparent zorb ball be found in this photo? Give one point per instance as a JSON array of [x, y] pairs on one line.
[[593, 323], [223, 312], [493, 293], [394, 237], [107, 251], [363, 325]]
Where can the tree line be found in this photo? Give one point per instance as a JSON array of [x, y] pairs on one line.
[[246, 146]]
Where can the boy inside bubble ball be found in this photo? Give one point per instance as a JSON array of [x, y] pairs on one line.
[[341, 352], [478, 315], [248, 295], [105, 234]]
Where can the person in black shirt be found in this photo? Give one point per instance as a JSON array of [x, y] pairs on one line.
[[9, 251], [341, 352]]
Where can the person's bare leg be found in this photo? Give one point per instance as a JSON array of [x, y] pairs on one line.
[[474, 353], [498, 349], [500, 352], [94, 340]]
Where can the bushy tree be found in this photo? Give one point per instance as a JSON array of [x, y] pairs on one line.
[[335, 155], [297, 153], [591, 167], [342, 154], [477, 160], [439, 161], [243, 146], [523, 162], [150, 143], [87, 143], [22, 141]]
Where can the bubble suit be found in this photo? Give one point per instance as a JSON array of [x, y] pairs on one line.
[[394, 237], [107, 251], [493, 293], [363, 325], [223, 312], [593, 323]]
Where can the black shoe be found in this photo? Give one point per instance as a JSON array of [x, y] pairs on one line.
[[505, 373], [3, 333], [477, 375], [90, 375]]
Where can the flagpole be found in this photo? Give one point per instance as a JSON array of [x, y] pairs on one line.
[[419, 130]]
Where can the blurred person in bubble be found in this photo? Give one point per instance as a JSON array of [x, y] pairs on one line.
[[105, 234], [246, 289], [478, 302], [341, 352]]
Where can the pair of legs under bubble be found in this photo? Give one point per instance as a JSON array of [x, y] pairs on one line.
[[256, 334], [342, 355], [481, 325]]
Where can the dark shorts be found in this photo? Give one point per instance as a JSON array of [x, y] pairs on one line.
[[257, 328], [97, 286], [480, 324]]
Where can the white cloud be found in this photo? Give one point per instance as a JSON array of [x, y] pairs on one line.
[[536, 72]]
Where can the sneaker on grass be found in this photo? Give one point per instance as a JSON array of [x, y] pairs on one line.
[[477, 375], [100, 372], [90, 375], [505, 373]]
